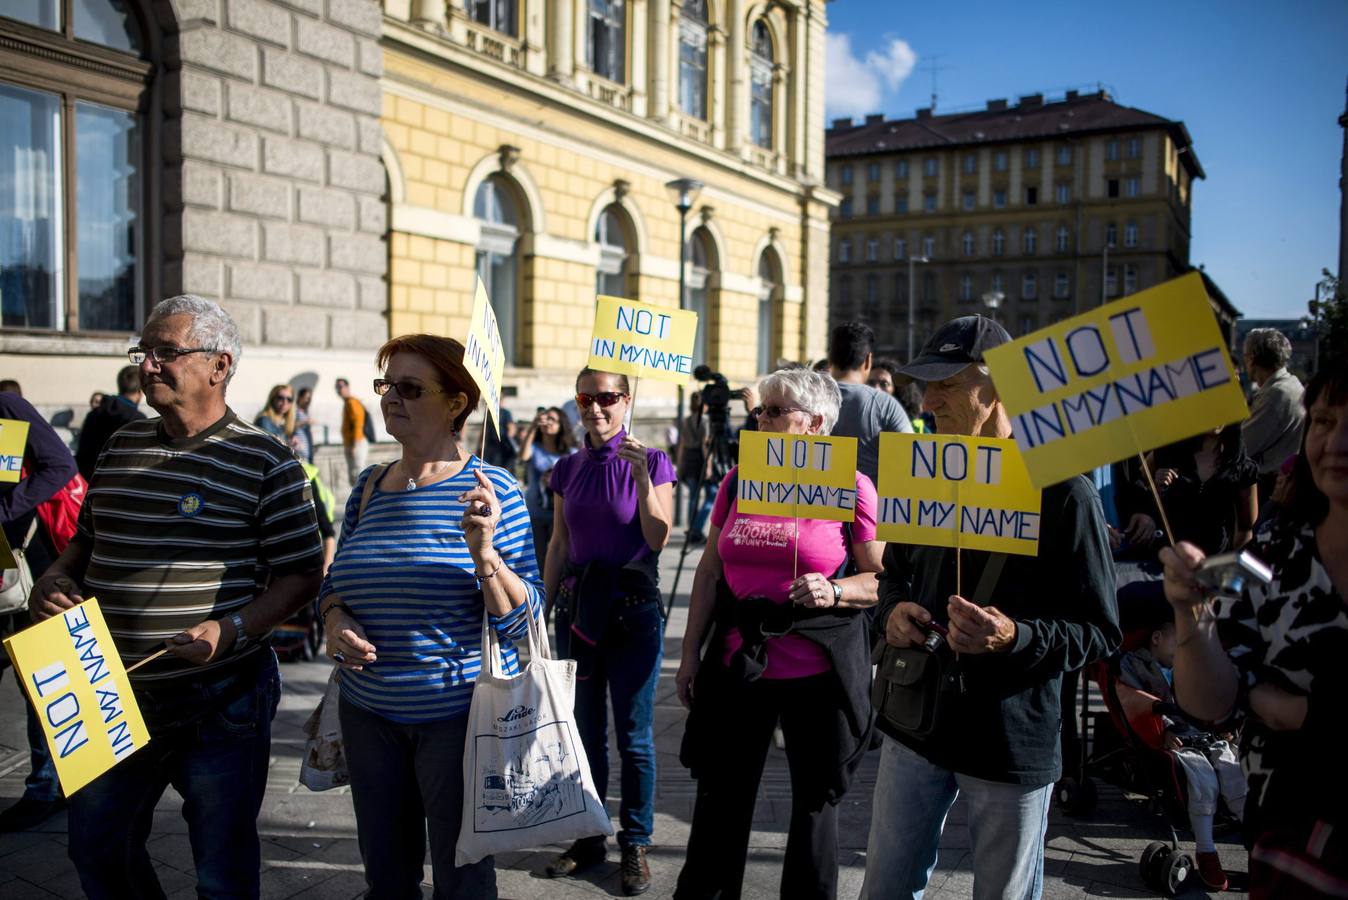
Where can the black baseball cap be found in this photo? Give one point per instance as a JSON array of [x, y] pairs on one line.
[[956, 345]]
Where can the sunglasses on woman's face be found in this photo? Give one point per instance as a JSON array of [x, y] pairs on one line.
[[773, 412], [406, 389], [605, 399]]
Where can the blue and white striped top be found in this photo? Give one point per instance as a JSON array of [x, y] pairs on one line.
[[405, 571]]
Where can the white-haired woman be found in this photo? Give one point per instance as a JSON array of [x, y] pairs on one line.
[[783, 648]]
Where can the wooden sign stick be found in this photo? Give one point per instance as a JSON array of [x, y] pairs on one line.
[[149, 659], [1165, 520], [486, 422]]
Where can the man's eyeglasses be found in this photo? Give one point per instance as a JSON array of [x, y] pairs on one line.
[[774, 412], [605, 399], [162, 355], [406, 389]]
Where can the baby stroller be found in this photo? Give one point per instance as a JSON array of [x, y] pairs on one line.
[[1128, 749]]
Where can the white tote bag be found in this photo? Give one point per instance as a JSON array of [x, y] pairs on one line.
[[324, 765], [526, 781]]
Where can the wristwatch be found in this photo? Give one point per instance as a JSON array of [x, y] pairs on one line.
[[241, 638], [837, 592]]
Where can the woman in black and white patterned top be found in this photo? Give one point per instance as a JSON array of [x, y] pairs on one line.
[[1278, 655]]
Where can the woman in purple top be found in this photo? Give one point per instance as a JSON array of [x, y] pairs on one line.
[[612, 514]]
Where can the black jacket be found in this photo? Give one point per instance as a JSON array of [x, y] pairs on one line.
[[842, 635], [99, 425], [1005, 725]]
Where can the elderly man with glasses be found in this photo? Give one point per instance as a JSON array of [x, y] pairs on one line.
[[1011, 630], [198, 533]]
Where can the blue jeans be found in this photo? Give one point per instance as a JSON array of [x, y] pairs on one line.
[[699, 512], [210, 737], [912, 797], [626, 668]]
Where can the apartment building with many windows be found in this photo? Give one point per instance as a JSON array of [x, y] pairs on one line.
[[1037, 209]]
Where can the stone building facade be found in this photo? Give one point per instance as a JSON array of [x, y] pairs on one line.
[[229, 148], [1033, 211]]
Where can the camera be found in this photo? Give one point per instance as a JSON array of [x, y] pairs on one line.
[[722, 446], [936, 635], [1228, 574]]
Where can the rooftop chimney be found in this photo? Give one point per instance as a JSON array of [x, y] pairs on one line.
[[874, 118], [1072, 95], [997, 105], [842, 123], [1031, 101], [924, 112]]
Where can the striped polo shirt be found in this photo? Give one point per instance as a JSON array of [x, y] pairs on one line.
[[405, 571], [189, 529]]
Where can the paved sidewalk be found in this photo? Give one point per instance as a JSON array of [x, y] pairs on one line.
[[309, 847]]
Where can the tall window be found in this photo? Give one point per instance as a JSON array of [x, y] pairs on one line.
[[693, 58], [967, 243], [1031, 240], [929, 202], [1111, 150], [1129, 279], [1132, 186], [1032, 158], [701, 262], [846, 174], [607, 43], [844, 249], [72, 163], [996, 283], [970, 163], [970, 199], [1063, 192], [1134, 148], [999, 161], [760, 91], [929, 247], [872, 250], [999, 198], [873, 204], [497, 256], [873, 173], [901, 169], [966, 287], [900, 248], [1029, 285], [872, 294], [1111, 235], [845, 208], [901, 203], [1111, 282], [1061, 239], [998, 243], [497, 14], [769, 290], [1064, 155], [930, 166], [1130, 234], [610, 233], [1060, 285]]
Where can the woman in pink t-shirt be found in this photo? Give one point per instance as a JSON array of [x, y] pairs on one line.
[[784, 648]]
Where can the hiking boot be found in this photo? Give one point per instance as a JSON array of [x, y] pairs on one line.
[[1210, 871], [580, 856], [29, 813], [636, 873]]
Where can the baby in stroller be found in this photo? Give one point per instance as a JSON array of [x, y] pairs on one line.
[[1210, 766]]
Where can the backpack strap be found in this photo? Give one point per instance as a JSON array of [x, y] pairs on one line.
[[988, 581], [370, 482]]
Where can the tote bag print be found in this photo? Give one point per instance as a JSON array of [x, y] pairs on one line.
[[526, 779]]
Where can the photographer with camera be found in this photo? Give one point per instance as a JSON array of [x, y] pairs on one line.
[[975, 708], [1273, 650]]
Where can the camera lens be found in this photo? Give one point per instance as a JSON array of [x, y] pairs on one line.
[[933, 641]]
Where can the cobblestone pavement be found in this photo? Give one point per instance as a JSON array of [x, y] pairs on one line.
[[309, 840]]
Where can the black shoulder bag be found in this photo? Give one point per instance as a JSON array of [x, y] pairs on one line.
[[913, 686]]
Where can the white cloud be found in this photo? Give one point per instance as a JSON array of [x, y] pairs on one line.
[[858, 86]]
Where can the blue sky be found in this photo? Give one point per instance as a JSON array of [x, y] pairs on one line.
[[1260, 87]]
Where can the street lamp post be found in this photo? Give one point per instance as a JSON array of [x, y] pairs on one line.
[[684, 193], [993, 300], [912, 294]]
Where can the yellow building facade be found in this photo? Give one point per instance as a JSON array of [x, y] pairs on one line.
[[519, 151]]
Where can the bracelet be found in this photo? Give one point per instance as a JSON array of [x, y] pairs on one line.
[[323, 614], [490, 575]]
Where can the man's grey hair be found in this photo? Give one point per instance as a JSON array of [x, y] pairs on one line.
[[212, 328], [1269, 348], [812, 391]]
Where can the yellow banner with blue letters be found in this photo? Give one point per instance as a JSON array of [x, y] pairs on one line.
[[804, 476]]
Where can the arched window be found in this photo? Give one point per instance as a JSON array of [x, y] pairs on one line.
[[495, 14], [73, 158], [702, 262], [760, 79], [610, 233], [693, 58], [769, 290], [606, 44], [497, 256]]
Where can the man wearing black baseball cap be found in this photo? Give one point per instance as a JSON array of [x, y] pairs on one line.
[[1013, 626]]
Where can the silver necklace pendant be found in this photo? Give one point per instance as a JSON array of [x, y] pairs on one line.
[[411, 484]]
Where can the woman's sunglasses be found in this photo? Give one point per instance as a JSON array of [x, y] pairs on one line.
[[774, 412], [604, 399], [406, 389]]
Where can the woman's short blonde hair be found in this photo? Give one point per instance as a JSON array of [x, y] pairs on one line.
[[812, 391]]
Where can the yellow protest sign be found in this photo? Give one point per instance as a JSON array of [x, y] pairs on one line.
[[13, 438], [483, 353], [70, 670], [946, 490], [643, 340], [805, 476], [1135, 374]]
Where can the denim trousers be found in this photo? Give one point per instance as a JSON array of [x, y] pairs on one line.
[[210, 737], [700, 504], [406, 780], [626, 667], [723, 814], [912, 798]]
